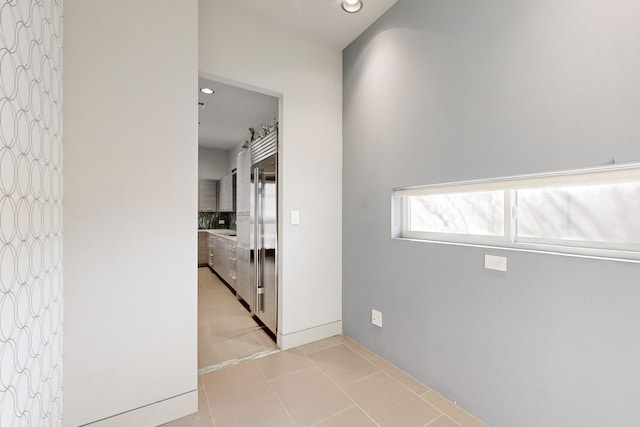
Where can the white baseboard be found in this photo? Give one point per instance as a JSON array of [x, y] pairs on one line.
[[155, 414], [294, 339]]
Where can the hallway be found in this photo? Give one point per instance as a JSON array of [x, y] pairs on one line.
[[330, 383], [226, 330]]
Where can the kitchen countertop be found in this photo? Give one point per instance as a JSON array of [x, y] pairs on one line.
[[221, 232]]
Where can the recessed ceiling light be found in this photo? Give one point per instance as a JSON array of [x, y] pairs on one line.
[[351, 6], [207, 90]]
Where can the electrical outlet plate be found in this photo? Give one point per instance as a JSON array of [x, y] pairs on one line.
[[376, 318], [492, 262]]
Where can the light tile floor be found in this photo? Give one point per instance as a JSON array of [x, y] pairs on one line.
[[226, 330], [330, 383]]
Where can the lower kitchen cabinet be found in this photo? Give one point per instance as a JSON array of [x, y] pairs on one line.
[[203, 250], [210, 247], [243, 273], [231, 264], [222, 257]]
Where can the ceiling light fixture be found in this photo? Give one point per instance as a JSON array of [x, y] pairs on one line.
[[351, 6], [207, 91]]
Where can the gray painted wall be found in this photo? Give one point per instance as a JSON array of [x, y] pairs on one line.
[[440, 91]]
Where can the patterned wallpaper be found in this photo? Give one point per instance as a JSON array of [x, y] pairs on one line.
[[30, 212]]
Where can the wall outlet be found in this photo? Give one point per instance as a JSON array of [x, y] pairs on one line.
[[376, 318], [221, 221], [493, 262]]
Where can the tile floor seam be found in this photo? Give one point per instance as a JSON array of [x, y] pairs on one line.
[[352, 382], [333, 415], [382, 370], [362, 379], [401, 383], [349, 341], [440, 417], [278, 397], [322, 349], [228, 412], [206, 398], [455, 405], [339, 387], [452, 420], [433, 420], [288, 374], [366, 413], [393, 379], [342, 388]]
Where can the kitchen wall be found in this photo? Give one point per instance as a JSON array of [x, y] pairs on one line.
[[130, 201], [236, 47], [440, 91], [213, 163], [31, 290]]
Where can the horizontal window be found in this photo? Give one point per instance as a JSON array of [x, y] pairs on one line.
[[586, 212], [480, 213]]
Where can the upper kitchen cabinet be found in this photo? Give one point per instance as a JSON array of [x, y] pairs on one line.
[[243, 182], [208, 195], [226, 202]]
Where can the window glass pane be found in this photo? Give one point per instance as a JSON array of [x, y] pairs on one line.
[[477, 213], [596, 213]]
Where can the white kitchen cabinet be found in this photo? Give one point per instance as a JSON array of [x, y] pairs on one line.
[[207, 195], [243, 182], [225, 202]]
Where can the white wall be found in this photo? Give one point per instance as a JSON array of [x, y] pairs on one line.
[[31, 213], [130, 197], [236, 47], [213, 163]]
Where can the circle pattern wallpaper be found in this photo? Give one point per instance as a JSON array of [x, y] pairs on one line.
[[30, 213]]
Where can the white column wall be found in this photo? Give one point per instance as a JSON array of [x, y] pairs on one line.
[[235, 47], [130, 201]]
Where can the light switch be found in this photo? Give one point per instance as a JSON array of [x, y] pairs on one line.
[[295, 217], [493, 262]]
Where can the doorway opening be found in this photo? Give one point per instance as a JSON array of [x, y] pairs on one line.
[[237, 224]]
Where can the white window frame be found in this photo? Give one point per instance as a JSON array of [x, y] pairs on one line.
[[611, 174]]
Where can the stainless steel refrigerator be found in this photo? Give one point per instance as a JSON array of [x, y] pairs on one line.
[[257, 228], [265, 183]]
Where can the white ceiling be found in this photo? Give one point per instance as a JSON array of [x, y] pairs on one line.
[[229, 113], [322, 20]]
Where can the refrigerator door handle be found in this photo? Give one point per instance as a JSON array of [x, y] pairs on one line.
[[258, 240]]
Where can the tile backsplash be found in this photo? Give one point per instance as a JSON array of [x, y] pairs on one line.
[[211, 220]]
